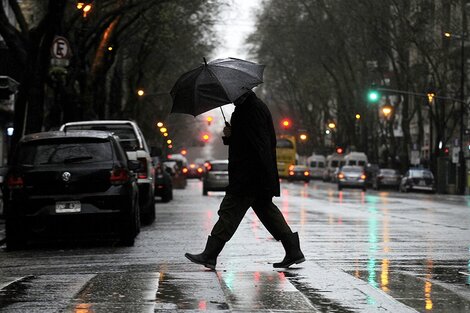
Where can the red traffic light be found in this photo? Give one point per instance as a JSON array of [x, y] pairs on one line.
[[339, 150], [205, 137], [286, 123]]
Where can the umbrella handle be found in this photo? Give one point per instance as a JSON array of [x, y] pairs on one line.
[[223, 115]]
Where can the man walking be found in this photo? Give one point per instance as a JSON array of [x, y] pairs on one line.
[[253, 181]]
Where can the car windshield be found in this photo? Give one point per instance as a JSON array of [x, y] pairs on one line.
[[284, 143], [63, 151], [219, 167], [126, 134], [421, 174]]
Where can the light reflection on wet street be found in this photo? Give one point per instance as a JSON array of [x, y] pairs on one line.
[[366, 252]]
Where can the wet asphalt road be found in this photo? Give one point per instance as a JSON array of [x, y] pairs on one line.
[[366, 252]]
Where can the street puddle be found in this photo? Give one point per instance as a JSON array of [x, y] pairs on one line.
[[428, 286], [190, 291]]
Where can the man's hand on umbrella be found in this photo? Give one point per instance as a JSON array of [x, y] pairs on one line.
[[227, 130]]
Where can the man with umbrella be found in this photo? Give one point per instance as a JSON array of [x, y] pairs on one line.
[[253, 175]]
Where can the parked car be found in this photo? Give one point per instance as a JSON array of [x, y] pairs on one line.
[[418, 179], [215, 177], [194, 170], [386, 177], [70, 182], [133, 142], [163, 183], [352, 176], [299, 172], [333, 161]]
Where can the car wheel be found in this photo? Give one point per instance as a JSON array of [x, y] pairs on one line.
[[204, 191], [167, 196], [149, 212], [15, 238], [131, 227], [340, 187]]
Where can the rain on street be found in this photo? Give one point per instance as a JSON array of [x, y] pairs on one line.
[[366, 252]]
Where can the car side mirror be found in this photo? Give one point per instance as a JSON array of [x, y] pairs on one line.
[[133, 165]]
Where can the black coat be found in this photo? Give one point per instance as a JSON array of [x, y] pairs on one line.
[[252, 150]]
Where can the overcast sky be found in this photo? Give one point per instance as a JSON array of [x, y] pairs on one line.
[[236, 22]]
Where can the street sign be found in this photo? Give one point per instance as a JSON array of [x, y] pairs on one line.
[[455, 155], [61, 48]]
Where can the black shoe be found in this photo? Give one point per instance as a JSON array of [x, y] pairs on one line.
[[294, 255], [208, 257]]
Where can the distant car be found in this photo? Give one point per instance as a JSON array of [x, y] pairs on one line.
[[215, 177], [163, 183], [75, 182], [135, 145], [386, 177], [194, 170], [418, 179], [299, 172], [352, 176]]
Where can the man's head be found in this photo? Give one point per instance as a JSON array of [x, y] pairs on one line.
[[243, 97]]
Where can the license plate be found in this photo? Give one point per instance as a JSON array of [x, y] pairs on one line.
[[68, 206], [422, 183]]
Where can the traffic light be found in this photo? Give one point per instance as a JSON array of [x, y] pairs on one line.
[[286, 123], [431, 96], [373, 94], [205, 137], [446, 151], [339, 150], [209, 120]]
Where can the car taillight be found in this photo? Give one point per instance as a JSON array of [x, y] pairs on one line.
[[119, 176], [208, 166], [15, 182], [306, 173], [340, 175], [199, 170], [363, 176], [142, 171], [184, 170], [291, 173], [291, 167], [192, 165]]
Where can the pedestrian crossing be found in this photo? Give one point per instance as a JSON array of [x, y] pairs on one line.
[[200, 290]]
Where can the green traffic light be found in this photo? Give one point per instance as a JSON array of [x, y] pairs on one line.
[[373, 95]]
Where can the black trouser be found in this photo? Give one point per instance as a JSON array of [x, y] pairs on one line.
[[233, 208]]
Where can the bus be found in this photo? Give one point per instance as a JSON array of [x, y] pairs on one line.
[[285, 153]]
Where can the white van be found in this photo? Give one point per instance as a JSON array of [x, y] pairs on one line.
[[356, 158], [333, 162], [316, 164]]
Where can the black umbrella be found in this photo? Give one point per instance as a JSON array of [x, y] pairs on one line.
[[214, 84]]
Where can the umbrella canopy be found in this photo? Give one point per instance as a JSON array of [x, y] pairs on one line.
[[214, 84]]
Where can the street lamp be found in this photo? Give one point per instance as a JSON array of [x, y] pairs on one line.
[[387, 110]]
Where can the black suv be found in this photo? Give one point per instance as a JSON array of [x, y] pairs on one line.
[[74, 182], [135, 145]]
